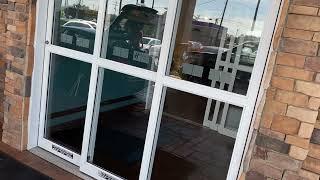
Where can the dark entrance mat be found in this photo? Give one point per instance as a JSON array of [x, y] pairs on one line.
[[14, 170]]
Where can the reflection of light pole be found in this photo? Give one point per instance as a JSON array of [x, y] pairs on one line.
[[224, 11], [152, 4], [255, 16], [120, 6]]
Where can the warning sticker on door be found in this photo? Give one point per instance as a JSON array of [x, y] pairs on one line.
[[66, 38], [120, 52], [141, 57], [81, 42]]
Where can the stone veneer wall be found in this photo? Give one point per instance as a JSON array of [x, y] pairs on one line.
[[16, 62], [286, 140], [3, 13]]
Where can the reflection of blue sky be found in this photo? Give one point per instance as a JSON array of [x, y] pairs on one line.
[[238, 16]]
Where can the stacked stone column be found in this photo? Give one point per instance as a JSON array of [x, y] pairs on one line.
[[286, 143], [16, 55]]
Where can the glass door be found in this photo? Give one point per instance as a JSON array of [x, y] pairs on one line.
[[71, 28], [145, 89]]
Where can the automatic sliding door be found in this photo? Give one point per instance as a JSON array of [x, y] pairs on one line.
[[66, 87], [118, 135], [67, 95], [105, 74]]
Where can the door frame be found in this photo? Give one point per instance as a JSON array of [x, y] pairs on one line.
[[40, 74]]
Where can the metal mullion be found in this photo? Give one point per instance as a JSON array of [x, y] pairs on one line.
[[263, 50], [44, 94], [76, 55], [239, 144], [206, 91], [155, 116], [37, 78], [254, 86], [127, 69], [99, 29], [45, 75], [89, 113], [50, 21], [93, 84], [245, 129]]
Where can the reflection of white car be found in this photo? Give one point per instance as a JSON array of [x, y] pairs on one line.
[[148, 42], [154, 52], [81, 24]]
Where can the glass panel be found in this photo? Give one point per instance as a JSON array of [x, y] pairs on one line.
[[75, 24], [67, 101], [227, 118], [133, 32], [118, 133], [217, 42], [186, 148]]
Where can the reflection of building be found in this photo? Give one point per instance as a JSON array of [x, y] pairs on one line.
[[207, 33]]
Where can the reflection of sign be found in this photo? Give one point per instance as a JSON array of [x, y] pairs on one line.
[[66, 38], [120, 52], [193, 70], [141, 57], [81, 42]]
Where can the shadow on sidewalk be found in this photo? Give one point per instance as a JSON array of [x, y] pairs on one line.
[[14, 170]]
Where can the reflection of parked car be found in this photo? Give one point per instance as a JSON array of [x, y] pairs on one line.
[[206, 57], [148, 42], [81, 24], [205, 53]]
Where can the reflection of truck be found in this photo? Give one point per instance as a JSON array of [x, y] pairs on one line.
[[125, 36], [119, 90]]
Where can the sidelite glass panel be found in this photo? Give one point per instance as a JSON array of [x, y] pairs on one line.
[[67, 101], [217, 42], [133, 32], [187, 148], [75, 23], [120, 124]]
